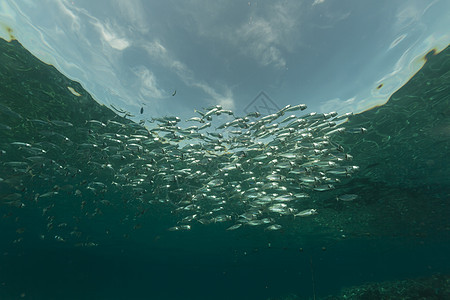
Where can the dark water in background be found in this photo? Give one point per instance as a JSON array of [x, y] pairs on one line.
[[397, 228]]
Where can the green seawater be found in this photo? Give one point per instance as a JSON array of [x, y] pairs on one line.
[[72, 229]]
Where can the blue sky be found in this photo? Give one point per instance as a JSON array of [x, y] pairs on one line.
[[328, 54]]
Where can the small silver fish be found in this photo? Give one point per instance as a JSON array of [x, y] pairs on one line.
[[347, 197], [273, 227], [234, 227], [306, 213]]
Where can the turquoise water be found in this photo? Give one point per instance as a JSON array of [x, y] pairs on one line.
[[75, 225]]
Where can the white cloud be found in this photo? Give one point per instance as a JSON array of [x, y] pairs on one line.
[[133, 11], [159, 54], [110, 36], [318, 2], [262, 32], [341, 106], [411, 13], [156, 50], [261, 43], [226, 100], [148, 84], [407, 16], [267, 36], [63, 6]]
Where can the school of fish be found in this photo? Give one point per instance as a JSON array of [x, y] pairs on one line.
[[215, 167]]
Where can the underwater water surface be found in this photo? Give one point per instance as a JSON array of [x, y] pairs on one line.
[[94, 206]]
